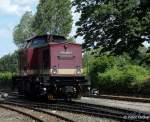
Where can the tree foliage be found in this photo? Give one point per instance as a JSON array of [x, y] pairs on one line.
[[117, 74], [9, 63], [53, 16], [71, 39], [5, 80], [23, 30], [115, 25]]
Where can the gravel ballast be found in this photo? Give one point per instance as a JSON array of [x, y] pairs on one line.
[[11, 116]]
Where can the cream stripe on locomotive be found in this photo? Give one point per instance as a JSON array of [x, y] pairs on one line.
[[50, 71]]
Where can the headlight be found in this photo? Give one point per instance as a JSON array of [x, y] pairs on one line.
[[78, 70], [54, 70], [44, 89]]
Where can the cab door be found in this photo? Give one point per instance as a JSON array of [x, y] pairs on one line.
[[44, 59]]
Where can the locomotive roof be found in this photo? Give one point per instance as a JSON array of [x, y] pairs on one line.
[[54, 37], [49, 39]]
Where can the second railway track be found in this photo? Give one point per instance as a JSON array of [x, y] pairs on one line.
[[124, 98]]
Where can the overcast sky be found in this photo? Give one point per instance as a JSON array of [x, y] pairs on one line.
[[10, 15]]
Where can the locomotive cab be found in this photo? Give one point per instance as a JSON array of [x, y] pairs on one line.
[[50, 66]]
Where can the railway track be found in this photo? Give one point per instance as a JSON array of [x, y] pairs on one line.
[[121, 113], [124, 98], [86, 109], [90, 109], [22, 113], [10, 106]]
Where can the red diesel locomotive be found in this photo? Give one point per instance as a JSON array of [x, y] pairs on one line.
[[50, 66]]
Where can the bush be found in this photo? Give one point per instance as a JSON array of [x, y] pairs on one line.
[[118, 74], [100, 65], [127, 80], [136, 74], [109, 80], [145, 90], [5, 80]]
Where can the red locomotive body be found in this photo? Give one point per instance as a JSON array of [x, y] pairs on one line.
[[50, 66]]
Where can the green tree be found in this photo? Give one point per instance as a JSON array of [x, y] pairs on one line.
[[115, 25], [23, 30], [53, 16], [71, 39], [9, 63]]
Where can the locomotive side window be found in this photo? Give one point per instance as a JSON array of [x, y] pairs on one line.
[[38, 42], [46, 58]]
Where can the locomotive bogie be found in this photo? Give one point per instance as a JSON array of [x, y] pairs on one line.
[[58, 87]]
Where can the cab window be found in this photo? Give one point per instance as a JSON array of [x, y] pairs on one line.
[[38, 42]]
